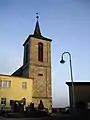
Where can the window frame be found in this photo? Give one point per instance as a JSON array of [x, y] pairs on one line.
[[24, 85], [5, 83], [40, 51], [3, 101]]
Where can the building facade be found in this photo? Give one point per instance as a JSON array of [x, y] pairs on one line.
[[81, 91], [15, 88], [37, 64]]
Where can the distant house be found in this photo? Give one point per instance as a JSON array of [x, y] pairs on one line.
[[81, 90]]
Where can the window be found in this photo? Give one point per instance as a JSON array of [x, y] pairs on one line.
[[4, 83], [11, 102], [40, 74], [26, 53], [3, 101], [24, 85], [40, 52]]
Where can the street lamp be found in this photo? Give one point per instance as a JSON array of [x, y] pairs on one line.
[[62, 61]]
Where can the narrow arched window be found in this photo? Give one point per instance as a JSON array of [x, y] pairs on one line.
[[26, 53], [40, 52]]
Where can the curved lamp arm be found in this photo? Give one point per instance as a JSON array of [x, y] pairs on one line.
[[66, 53]]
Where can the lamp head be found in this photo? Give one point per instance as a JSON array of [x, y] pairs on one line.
[[62, 61]]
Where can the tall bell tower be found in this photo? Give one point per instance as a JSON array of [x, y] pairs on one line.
[[37, 64]]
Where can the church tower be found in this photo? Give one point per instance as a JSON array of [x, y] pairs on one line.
[[37, 64]]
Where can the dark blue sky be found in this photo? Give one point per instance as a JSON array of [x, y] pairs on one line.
[[66, 22]]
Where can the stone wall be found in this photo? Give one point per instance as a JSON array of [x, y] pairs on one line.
[[41, 72]]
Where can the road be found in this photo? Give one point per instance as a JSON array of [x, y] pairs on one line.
[[53, 117]]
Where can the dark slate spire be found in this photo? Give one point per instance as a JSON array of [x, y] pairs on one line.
[[37, 32]]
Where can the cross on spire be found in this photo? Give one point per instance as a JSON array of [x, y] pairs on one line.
[[37, 16]]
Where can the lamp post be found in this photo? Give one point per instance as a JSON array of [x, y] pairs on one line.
[[71, 74]]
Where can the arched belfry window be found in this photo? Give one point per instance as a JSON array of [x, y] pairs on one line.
[[40, 52], [26, 53]]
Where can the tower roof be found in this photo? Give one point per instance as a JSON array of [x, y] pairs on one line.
[[37, 32]]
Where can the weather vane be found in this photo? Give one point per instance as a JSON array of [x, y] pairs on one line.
[[37, 16]]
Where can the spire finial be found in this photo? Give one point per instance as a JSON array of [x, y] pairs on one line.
[[37, 31], [37, 16]]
